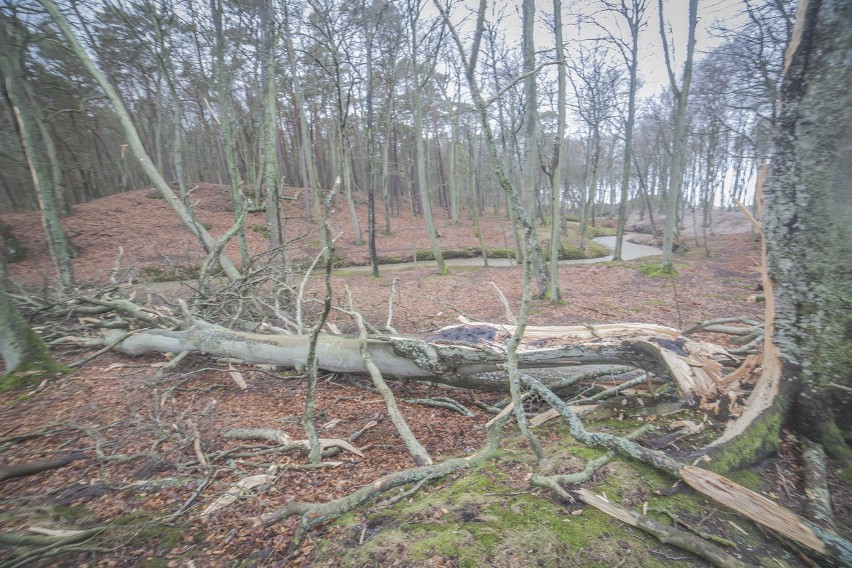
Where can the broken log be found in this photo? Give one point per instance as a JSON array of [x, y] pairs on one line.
[[456, 355]]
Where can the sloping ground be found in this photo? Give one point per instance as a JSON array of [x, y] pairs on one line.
[[151, 236], [136, 429]]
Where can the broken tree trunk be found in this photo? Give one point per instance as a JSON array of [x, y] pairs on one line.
[[455, 355]]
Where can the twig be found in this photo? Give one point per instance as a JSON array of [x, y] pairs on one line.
[[393, 292], [510, 317]]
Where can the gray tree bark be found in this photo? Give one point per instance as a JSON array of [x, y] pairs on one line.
[[807, 239], [679, 140], [809, 217], [634, 18], [554, 292], [269, 128], [420, 151], [30, 126], [135, 142], [20, 348], [226, 120]]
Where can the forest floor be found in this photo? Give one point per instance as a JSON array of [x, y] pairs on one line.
[[138, 427]]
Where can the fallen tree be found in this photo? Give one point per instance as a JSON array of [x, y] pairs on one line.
[[458, 355]]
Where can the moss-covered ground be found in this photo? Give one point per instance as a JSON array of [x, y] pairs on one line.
[[491, 516]]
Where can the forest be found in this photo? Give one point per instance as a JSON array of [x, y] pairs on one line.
[[425, 283]]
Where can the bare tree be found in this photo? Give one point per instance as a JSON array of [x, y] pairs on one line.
[[37, 145], [681, 94]]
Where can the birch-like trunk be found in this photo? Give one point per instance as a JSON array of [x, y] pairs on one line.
[[269, 127], [135, 142], [634, 17], [227, 122], [29, 126], [554, 291], [679, 138]]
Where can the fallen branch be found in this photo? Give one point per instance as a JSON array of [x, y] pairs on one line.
[[32, 468], [313, 514], [744, 501], [415, 448], [665, 534], [287, 443]]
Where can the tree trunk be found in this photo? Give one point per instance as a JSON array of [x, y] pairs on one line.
[[24, 354], [456, 355], [269, 127], [420, 151], [808, 237], [634, 19], [29, 125], [226, 119], [554, 293], [809, 216], [135, 142], [679, 137]]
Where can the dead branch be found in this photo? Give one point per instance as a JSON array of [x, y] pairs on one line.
[[442, 402], [666, 534], [415, 448], [818, 505], [32, 468], [313, 514]]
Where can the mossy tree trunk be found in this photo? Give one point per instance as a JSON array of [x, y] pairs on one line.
[[20, 348], [807, 244], [808, 224]]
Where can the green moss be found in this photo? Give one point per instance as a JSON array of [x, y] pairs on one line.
[[260, 229], [154, 195], [591, 232], [657, 270], [37, 366], [760, 440], [501, 253]]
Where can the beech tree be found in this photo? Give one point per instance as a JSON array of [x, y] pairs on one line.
[[808, 230], [24, 354], [37, 144], [681, 94]]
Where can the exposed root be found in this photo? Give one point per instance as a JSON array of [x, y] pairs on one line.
[[313, 514]]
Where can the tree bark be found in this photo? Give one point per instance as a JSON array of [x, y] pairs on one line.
[[807, 233], [809, 216], [679, 137], [135, 142], [455, 355], [269, 127], [29, 125], [21, 349]]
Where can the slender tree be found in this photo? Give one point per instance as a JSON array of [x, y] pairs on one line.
[[269, 127], [415, 8], [38, 150], [135, 142], [227, 122], [634, 16], [681, 94], [555, 293]]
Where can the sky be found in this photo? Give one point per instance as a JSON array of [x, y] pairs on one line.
[[652, 69]]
